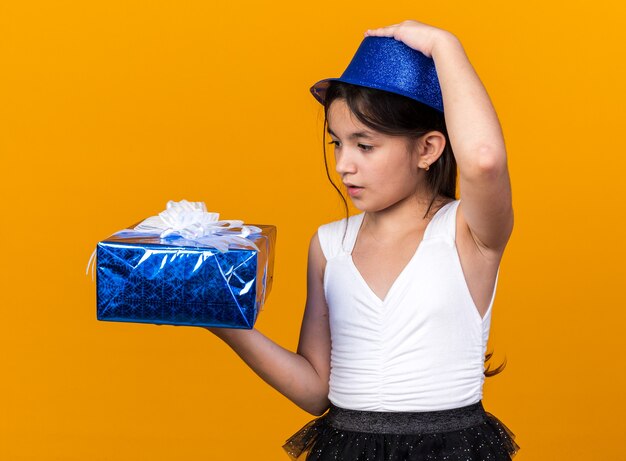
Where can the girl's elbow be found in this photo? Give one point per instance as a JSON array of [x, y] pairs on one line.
[[319, 406], [319, 410], [485, 167], [491, 159]]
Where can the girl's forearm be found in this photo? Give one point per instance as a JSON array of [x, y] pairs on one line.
[[471, 120], [289, 373]]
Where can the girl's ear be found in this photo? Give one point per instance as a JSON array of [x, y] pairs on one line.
[[430, 147]]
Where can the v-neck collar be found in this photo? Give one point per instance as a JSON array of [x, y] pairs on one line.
[[359, 224]]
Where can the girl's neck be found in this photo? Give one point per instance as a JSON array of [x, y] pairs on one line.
[[402, 218]]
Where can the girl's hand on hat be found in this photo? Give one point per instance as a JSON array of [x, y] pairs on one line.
[[419, 36]]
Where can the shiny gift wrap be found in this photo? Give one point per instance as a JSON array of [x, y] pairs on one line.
[[175, 280]]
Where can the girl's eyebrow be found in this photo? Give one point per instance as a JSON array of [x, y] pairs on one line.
[[358, 134]]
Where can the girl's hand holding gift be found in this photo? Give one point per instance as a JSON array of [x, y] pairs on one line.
[[417, 35]]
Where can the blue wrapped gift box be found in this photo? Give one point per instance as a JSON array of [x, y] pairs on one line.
[[176, 281]]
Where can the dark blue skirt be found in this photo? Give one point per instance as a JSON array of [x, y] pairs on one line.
[[460, 434]]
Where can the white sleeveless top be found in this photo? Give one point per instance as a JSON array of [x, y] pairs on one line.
[[422, 348]]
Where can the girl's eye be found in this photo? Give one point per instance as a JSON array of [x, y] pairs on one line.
[[361, 146]]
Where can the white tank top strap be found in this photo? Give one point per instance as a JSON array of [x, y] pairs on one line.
[[330, 236], [443, 224]]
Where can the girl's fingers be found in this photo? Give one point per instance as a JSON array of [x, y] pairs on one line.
[[382, 31]]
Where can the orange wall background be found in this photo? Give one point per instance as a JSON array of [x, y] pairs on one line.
[[110, 109]]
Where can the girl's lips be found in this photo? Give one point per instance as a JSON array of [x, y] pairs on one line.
[[354, 190]]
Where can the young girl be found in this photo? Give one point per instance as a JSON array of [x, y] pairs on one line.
[[399, 297]]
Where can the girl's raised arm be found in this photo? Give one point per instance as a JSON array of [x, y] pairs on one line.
[[474, 131], [302, 377], [478, 146]]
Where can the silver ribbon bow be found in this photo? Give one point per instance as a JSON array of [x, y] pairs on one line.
[[191, 221]]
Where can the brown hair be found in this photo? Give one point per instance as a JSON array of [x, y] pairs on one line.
[[397, 115]]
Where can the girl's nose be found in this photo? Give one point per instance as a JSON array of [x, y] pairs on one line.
[[344, 162]]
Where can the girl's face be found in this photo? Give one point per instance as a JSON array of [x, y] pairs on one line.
[[380, 165]]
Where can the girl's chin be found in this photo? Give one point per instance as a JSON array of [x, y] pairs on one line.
[[363, 207]]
